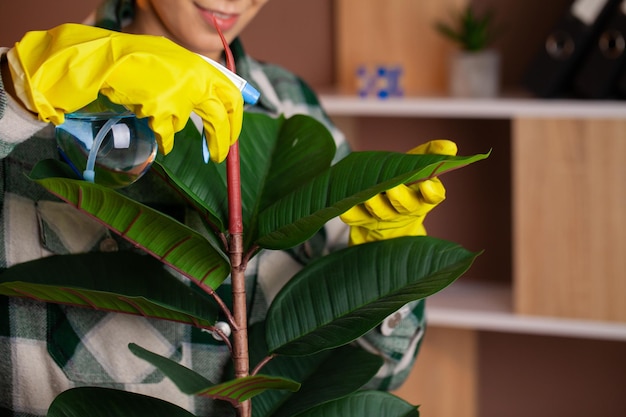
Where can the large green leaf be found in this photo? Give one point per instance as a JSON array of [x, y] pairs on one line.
[[364, 404], [106, 402], [163, 237], [354, 179], [203, 184], [277, 155], [187, 380], [325, 376], [234, 391], [122, 282], [342, 296], [338, 373], [242, 389]]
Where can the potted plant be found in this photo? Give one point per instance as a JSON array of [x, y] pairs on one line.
[[302, 364], [474, 68]]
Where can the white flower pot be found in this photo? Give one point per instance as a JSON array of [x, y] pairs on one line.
[[474, 74]]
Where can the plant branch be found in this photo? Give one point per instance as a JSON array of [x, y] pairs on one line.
[[261, 364], [238, 279], [222, 337], [249, 255], [221, 303]]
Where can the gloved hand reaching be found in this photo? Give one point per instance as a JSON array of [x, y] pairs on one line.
[[61, 70], [400, 211]]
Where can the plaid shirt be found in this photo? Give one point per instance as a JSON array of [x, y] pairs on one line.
[[46, 349]]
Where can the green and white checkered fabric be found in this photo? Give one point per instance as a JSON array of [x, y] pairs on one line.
[[46, 349]]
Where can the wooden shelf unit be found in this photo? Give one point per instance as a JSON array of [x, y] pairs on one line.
[[506, 107]]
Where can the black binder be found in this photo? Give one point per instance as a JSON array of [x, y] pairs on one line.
[[551, 73], [603, 65], [621, 84]]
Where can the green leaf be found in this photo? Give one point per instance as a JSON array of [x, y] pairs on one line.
[[472, 32], [301, 149], [354, 179], [203, 184], [192, 383], [365, 404], [277, 155], [159, 235], [242, 389], [106, 402], [121, 282], [324, 376], [52, 168], [188, 381], [342, 296]]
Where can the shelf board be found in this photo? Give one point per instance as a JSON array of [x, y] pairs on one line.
[[471, 304], [497, 108]]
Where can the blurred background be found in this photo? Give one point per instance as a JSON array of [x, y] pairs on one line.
[[537, 327]]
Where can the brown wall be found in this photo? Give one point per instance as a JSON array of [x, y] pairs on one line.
[[529, 375], [298, 34], [24, 15], [280, 33]]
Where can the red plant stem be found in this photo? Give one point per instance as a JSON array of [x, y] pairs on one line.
[[240, 354], [233, 178], [240, 333]]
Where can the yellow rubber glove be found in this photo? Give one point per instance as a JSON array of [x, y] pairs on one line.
[[61, 70], [400, 211]]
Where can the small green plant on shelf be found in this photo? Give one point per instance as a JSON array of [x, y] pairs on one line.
[[471, 31]]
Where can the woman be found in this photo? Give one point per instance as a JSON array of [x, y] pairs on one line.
[[50, 348]]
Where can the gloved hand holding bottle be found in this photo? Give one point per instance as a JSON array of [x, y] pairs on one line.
[[400, 211], [58, 71]]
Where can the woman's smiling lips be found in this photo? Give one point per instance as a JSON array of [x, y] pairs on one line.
[[224, 20]]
